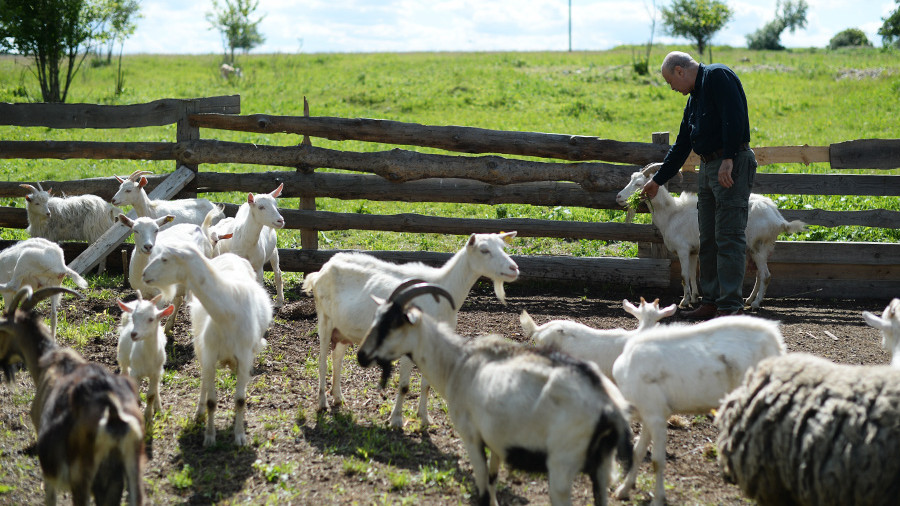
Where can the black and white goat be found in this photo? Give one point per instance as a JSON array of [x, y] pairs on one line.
[[90, 432], [537, 410]]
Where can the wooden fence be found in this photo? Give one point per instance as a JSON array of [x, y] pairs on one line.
[[572, 177]]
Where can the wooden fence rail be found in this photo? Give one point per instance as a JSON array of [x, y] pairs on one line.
[[589, 177]]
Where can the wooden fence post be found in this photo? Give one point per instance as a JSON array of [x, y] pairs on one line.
[[655, 249], [309, 239], [185, 132]]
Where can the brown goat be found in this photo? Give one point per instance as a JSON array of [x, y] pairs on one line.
[[90, 431]]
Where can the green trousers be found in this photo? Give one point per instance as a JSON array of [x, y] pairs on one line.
[[722, 213]]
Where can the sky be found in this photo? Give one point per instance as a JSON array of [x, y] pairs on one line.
[[349, 26]]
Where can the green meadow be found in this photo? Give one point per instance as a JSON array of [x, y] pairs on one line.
[[800, 96]]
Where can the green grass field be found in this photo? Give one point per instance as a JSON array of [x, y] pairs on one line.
[[806, 96]]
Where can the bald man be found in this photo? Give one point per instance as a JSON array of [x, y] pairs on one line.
[[716, 126]]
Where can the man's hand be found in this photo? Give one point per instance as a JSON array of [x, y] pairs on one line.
[[725, 180], [650, 189]]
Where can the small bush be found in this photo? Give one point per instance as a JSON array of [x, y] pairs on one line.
[[850, 37]]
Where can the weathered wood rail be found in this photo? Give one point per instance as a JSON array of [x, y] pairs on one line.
[[589, 174]]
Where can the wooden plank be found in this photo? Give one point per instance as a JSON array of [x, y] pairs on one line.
[[836, 271], [807, 184], [881, 218], [651, 273], [866, 154], [65, 150], [156, 113], [836, 253], [450, 138], [416, 223], [831, 289], [781, 154], [119, 231]]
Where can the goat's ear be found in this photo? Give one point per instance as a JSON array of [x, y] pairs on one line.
[[120, 180], [28, 198], [413, 315], [471, 241], [250, 199], [165, 219], [668, 311], [167, 311], [143, 182], [629, 307], [124, 307], [156, 298], [126, 220], [277, 191], [875, 321], [378, 300]]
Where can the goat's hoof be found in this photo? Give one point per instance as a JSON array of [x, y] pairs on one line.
[[240, 440], [209, 440], [622, 492]]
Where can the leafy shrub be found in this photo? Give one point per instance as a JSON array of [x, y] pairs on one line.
[[849, 37]]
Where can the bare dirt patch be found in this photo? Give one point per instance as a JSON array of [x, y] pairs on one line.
[[349, 456]]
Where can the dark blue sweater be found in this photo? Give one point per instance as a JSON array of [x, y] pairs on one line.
[[715, 117]]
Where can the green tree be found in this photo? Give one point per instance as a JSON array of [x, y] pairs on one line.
[[890, 30], [697, 20], [233, 21], [849, 37], [789, 15], [57, 34], [118, 22]]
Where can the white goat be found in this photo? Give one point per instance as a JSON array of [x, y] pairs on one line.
[[37, 263], [150, 231], [889, 325], [601, 347], [686, 369], [76, 218], [535, 409], [228, 70], [90, 434], [131, 193], [254, 237], [344, 308], [230, 314], [676, 219], [142, 347]]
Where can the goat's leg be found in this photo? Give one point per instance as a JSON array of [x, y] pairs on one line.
[[406, 366], [423, 403], [560, 476], [694, 272], [640, 449], [685, 261], [325, 337], [475, 448], [81, 494], [657, 428], [337, 365], [208, 390], [170, 321], [240, 402], [134, 472], [493, 473], [49, 494], [763, 276], [279, 283], [153, 403]]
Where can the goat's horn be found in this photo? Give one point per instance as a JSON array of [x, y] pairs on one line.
[[651, 169], [402, 298], [137, 174], [43, 293], [403, 286], [28, 187], [25, 292]]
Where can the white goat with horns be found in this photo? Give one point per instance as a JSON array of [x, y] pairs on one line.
[[535, 409], [676, 219], [131, 193]]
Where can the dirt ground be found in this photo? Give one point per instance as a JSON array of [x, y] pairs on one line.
[[350, 456]]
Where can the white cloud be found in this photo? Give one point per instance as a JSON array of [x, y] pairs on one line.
[[176, 26]]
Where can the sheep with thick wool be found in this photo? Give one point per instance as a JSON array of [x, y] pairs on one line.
[[344, 285], [74, 218], [142, 347], [801, 430], [230, 314], [37, 263], [600, 346], [676, 219], [90, 433], [535, 409], [686, 369]]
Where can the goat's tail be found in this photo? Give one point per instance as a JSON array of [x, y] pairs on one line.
[[74, 276], [528, 325], [792, 227], [309, 282]]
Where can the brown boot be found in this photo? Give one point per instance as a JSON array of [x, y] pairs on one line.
[[725, 312], [704, 312]]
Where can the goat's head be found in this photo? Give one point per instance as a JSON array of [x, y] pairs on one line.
[[394, 330], [264, 208], [648, 313], [20, 326], [37, 201], [636, 184], [168, 264], [145, 230], [145, 316], [486, 256], [129, 189], [889, 325]]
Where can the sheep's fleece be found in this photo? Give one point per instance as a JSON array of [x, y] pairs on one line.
[[803, 430]]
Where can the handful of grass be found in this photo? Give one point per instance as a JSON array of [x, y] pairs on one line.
[[635, 200]]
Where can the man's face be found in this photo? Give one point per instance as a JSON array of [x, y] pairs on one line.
[[678, 80]]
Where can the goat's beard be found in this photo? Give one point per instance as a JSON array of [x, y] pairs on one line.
[[499, 291], [387, 367]]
